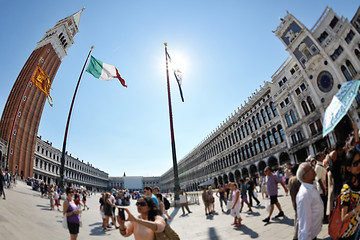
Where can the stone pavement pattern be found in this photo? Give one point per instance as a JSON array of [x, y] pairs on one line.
[[26, 216]]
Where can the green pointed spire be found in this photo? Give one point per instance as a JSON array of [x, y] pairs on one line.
[[77, 17]]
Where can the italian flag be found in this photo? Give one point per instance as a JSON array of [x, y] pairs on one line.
[[103, 71]]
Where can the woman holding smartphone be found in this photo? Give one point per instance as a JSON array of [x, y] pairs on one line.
[[146, 224], [72, 213]]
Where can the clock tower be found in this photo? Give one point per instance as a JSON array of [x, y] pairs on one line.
[[22, 113]]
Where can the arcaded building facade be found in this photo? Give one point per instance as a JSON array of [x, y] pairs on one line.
[[282, 121], [77, 173]]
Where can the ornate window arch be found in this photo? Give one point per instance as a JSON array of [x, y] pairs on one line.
[[293, 116], [346, 73], [269, 113], [259, 119], [263, 115], [305, 108], [255, 122], [311, 103], [273, 108], [288, 121], [351, 68]]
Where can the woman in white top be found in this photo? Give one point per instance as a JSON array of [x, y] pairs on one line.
[[235, 210], [184, 201]]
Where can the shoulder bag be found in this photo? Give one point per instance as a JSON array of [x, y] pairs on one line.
[[337, 228], [167, 234]]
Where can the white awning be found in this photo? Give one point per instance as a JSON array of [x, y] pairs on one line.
[[208, 182]]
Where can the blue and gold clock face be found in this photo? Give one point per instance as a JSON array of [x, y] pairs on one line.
[[325, 81]]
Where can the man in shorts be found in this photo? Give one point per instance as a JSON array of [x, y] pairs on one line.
[[272, 182]]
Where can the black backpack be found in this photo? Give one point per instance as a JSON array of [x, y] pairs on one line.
[[166, 203]]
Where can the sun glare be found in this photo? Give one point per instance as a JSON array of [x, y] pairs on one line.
[[178, 61]]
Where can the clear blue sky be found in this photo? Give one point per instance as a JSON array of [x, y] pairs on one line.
[[227, 48]]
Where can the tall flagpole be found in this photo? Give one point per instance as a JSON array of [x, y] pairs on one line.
[[62, 167], [176, 176]]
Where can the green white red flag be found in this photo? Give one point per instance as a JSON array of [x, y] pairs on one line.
[[104, 71]]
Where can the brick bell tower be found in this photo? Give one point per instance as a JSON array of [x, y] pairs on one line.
[[25, 103]]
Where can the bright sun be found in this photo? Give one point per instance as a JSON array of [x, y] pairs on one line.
[[178, 61]]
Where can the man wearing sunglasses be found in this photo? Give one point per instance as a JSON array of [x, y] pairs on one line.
[[310, 208]]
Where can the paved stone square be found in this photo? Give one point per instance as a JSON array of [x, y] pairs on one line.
[[25, 215]]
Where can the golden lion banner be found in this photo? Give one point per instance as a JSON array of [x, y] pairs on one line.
[[42, 82]]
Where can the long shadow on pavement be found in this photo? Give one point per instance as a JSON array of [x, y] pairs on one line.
[[212, 234], [94, 224], [285, 220], [173, 214], [247, 231], [44, 207], [259, 207], [254, 213], [97, 231]]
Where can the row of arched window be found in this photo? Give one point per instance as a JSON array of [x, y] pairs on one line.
[[254, 123], [68, 163], [251, 149], [48, 153], [56, 170], [47, 166]]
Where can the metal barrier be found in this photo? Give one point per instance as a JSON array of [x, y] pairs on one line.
[[192, 198]]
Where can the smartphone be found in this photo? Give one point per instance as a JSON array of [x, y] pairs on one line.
[[121, 213]]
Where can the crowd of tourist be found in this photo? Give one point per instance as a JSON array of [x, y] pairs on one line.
[[152, 207], [314, 185]]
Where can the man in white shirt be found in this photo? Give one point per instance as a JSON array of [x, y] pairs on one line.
[[310, 207]]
